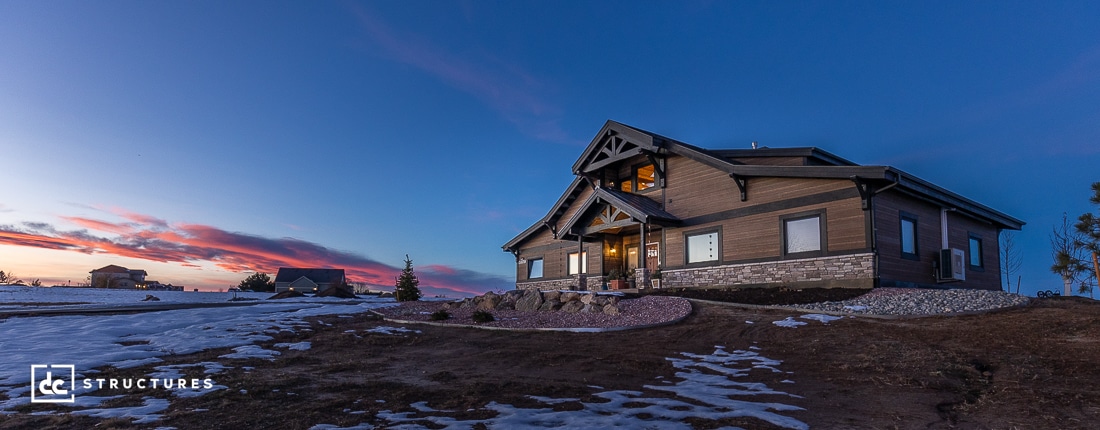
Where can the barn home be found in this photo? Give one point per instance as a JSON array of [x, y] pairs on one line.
[[643, 204]]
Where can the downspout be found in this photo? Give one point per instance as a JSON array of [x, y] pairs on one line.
[[874, 228]]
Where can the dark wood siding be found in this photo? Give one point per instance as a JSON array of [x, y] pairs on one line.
[[894, 270]]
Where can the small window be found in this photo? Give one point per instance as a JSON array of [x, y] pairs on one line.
[[702, 247], [802, 234], [627, 186], [534, 268], [573, 263], [646, 177], [975, 252], [909, 237]]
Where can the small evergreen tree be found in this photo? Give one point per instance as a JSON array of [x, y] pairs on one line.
[[407, 285]]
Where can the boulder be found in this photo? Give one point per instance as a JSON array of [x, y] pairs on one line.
[[550, 305], [600, 301], [587, 298], [591, 309], [568, 296], [488, 301], [551, 295], [611, 309], [572, 307], [530, 301]]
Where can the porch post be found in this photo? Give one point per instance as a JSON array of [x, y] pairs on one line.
[[641, 276], [582, 278]]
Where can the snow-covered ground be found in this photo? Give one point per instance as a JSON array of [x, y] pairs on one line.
[[89, 342], [712, 386]]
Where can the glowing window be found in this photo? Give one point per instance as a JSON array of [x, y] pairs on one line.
[[573, 263], [646, 177]]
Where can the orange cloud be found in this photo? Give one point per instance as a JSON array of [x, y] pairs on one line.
[[153, 239]]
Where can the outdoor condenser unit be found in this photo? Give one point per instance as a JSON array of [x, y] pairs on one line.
[[952, 263]]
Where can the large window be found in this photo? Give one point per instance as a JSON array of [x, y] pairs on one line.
[[575, 262], [534, 268], [909, 237], [802, 234], [975, 252], [702, 247], [645, 177]]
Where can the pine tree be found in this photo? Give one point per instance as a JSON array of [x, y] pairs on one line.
[[407, 290]]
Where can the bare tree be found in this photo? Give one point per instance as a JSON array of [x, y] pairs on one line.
[[1067, 249], [36, 283], [7, 278], [1010, 259]]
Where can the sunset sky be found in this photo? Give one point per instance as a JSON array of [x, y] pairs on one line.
[[204, 140]]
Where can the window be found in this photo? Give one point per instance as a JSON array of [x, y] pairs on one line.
[[573, 263], [534, 268], [702, 247], [909, 237], [802, 234], [645, 177], [627, 186], [975, 252]]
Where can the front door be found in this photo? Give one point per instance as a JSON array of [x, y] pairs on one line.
[[652, 256]]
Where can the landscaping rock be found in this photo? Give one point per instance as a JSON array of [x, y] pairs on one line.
[[488, 301], [568, 296], [531, 300], [611, 309], [572, 306], [551, 295]]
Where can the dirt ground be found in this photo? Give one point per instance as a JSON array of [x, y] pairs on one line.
[[1028, 368]]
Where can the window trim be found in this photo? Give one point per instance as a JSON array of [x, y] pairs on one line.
[[971, 237], [531, 260], [822, 231], [902, 217], [583, 263], [700, 232]]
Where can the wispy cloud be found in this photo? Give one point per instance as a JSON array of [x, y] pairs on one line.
[[504, 86], [153, 239]]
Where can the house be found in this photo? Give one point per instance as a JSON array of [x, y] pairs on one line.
[[308, 280], [794, 217], [113, 276]]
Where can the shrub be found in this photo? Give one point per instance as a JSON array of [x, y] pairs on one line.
[[483, 317], [440, 315]]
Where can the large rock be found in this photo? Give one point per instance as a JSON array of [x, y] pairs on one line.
[[488, 301], [507, 301], [611, 309], [587, 298], [551, 295], [592, 309], [529, 301], [568, 296], [572, 306], [550, 305]]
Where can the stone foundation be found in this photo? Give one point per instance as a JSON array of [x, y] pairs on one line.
[[576, 282], [857, 269]]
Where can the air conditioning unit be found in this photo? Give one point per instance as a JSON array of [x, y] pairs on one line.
[[952, 262]]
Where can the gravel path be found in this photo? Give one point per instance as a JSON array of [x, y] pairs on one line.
[[644, 311], [913, 301]]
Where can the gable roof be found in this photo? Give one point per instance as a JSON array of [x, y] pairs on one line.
[[111, 269], [319, 276], [639, 208], [616, 141]]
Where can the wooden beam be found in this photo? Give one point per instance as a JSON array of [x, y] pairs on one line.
[[658, 168]]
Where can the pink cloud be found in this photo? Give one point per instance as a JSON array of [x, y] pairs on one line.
[[149, 238]]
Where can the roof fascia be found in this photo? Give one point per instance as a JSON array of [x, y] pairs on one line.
[[541, 223]]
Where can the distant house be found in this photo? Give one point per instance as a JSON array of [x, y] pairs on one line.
[[308, 280], [793, 217], [113, 276]]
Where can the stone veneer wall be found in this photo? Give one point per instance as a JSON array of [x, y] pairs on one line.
[[570, 283], [834, 268]]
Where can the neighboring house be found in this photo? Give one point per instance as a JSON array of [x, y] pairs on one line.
[[113, 276], [308, 280], [796, 217]]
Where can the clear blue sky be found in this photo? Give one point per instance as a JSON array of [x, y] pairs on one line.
[[202, 139]]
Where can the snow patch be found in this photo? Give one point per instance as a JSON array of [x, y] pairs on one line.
[[790, 322]]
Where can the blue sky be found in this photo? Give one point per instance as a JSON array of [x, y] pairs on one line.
[[187, 138]]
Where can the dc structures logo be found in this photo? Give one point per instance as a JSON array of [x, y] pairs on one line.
[[53, 383]]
